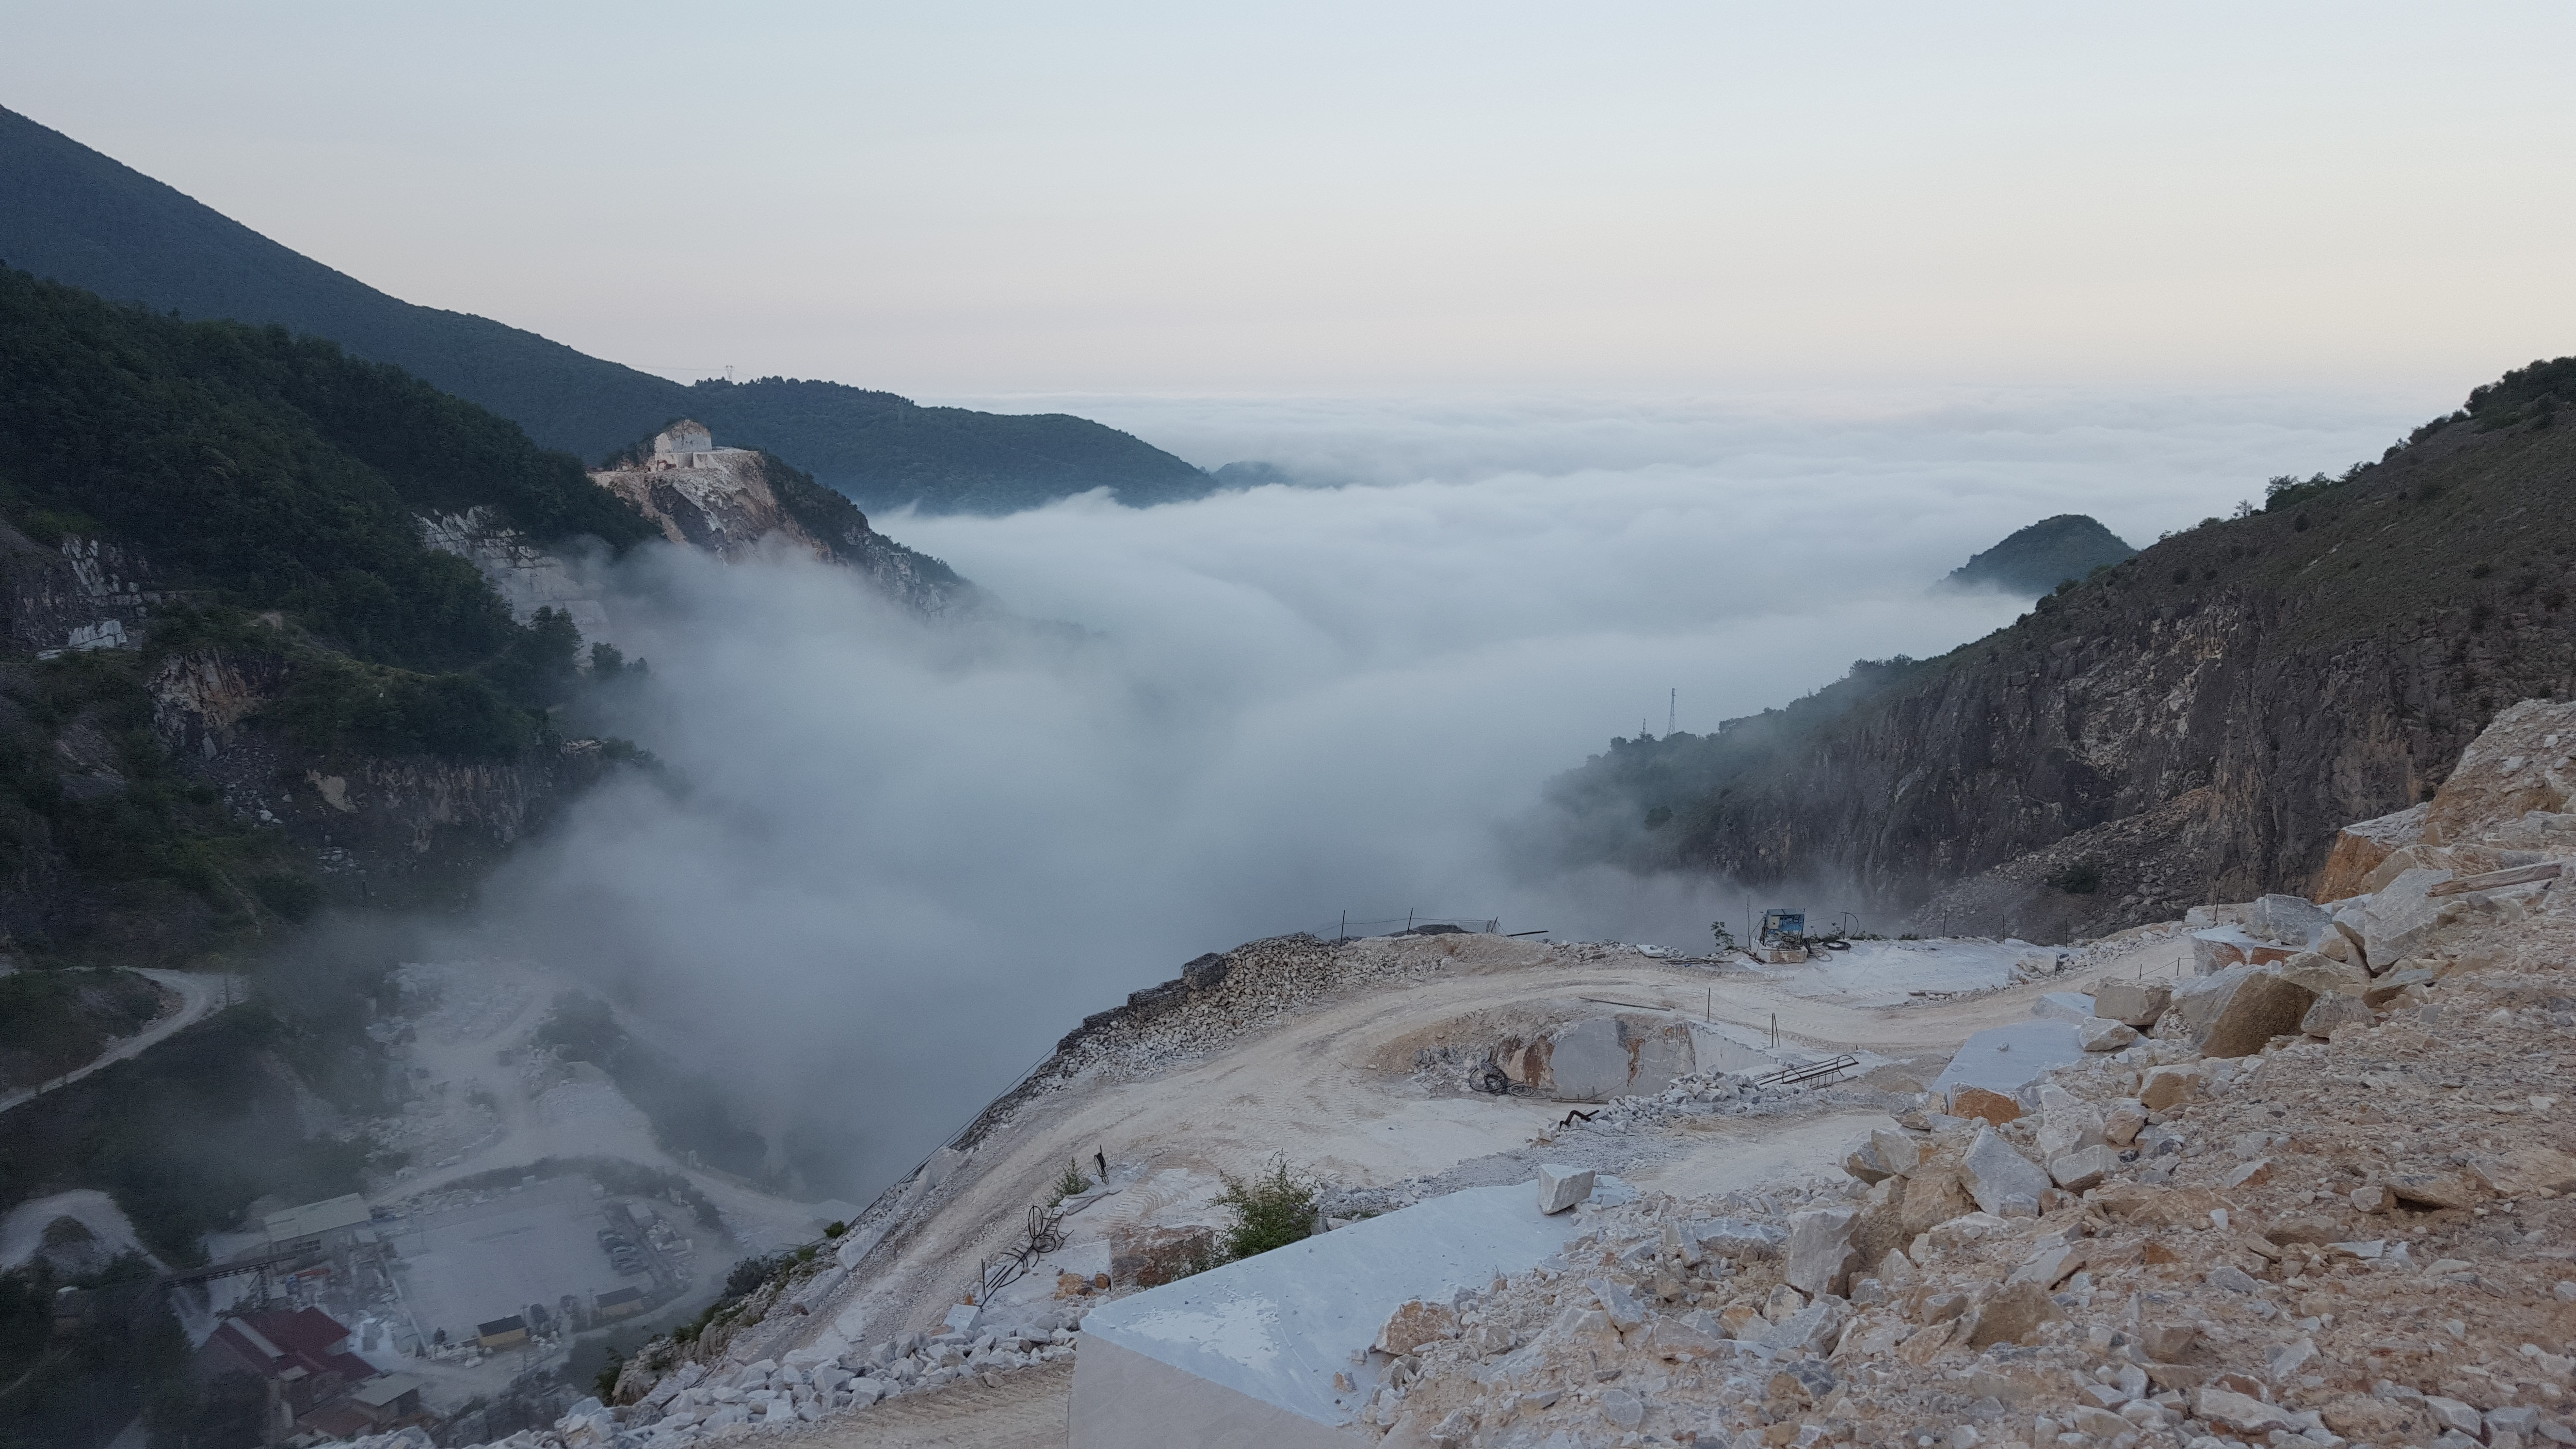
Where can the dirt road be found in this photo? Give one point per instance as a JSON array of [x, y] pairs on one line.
[[200, 994], [1332, 1089]]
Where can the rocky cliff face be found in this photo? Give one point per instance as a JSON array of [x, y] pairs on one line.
[[2194, 726], [386, 816], [79, 594]]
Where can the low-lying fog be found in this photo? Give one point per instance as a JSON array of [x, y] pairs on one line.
[[907, 858]]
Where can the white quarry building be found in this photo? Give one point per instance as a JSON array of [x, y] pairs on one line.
[[685, 444]]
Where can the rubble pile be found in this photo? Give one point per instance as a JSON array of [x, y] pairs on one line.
[[1698, 1094], [1220, 998], [2323, 1201], [807, 1383], [696, 1404]]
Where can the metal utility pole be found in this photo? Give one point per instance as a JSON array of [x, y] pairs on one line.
[[1672, 710]]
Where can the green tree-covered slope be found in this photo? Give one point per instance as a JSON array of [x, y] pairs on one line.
[[2037, 559]]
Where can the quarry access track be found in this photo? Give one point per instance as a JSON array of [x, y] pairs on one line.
[[1330, 1082], [200, 993]]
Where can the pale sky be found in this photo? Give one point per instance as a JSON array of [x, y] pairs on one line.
[[971, 199]]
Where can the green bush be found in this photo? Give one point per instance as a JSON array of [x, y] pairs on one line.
[[1270, 1209], [292, 897], [2082, 878], [1072, 1183]]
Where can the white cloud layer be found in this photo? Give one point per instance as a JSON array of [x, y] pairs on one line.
[[906, 858]]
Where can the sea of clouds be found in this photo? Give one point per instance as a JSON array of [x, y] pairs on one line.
[[892, 861]]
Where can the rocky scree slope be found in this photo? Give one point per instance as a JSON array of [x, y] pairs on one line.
[[2322, 1203], [2193, 725], [79, 217]]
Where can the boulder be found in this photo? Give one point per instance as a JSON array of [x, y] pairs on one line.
[[2012, 1315], [1897, 1150], [2168, 1085], [2526, 1171], [2218, 948], [1598, 1058], [2063, 1006], [2427, 1190], [2167, 1342], [1741, 1239], [2401, 917], [2322, 974], [2101, 1034], [2238, 1413], [1616, 1301], [2085, 1167], [2122, 1124], [1863, 1162], [2392, 988], [2000, 1178], [2236, 1011], [2288, 920], [2519, 762], [1809, 1330], [2066, 1122], [1821, 1255], [2453, 1414], [2360, 847], [1414, 1324], [2333, 1011], [1560, 1188], [2134, 1003], [1986, 1106], [2051, 1265]]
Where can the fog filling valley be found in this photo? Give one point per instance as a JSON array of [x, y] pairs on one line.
[[891, 862]]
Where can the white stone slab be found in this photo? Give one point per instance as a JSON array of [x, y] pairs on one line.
[[1277, 1327], [2003, 1058]]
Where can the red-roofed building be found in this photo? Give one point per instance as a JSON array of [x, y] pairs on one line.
[[302, 1357]]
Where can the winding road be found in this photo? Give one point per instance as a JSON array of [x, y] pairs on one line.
[[200, 995]]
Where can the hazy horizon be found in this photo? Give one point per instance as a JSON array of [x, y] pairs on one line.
[[1435, 201]]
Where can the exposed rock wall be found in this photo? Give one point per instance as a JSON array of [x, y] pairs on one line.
[[2198, 725], [526, 576], [82, 594], [380, 814]]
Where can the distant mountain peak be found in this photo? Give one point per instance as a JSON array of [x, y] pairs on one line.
[[2037, 559], [81, 218]]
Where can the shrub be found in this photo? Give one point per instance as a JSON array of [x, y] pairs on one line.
[[1072, 1183], [1271, 1209], [292, 897], [2082, 878]]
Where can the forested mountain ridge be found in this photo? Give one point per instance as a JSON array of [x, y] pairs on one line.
[[2192, 724], [218, 595], [78, 217]]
